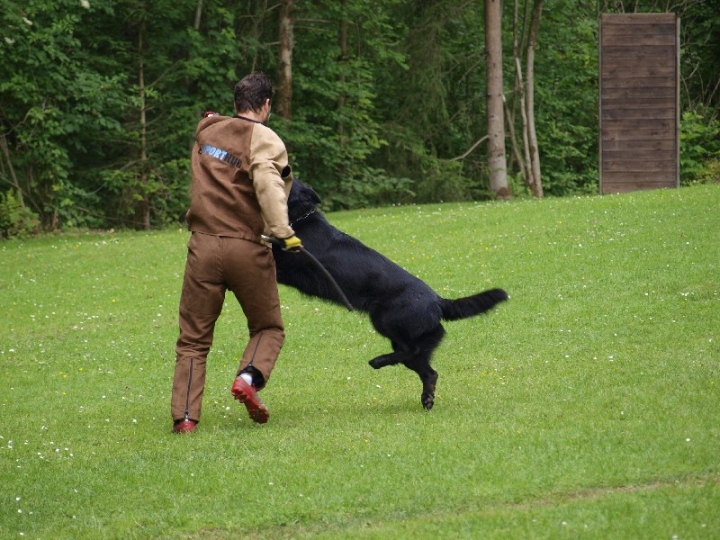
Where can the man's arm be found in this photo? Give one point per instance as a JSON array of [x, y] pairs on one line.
[[268, 163]]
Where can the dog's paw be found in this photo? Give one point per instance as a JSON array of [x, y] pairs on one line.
[[382, 361], [428, 400]]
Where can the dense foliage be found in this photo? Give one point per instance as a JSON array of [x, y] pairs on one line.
[[99, 100]]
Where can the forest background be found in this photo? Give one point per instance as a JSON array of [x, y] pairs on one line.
[[379, 101]]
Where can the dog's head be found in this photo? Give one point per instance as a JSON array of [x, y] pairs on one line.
[[302, 200]]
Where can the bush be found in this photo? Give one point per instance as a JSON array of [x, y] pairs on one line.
[[699, 149], [15, 218]]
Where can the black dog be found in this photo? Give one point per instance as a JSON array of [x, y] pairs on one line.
[[401, 307]]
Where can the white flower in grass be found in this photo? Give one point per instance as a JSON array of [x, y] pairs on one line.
[[85, 4]]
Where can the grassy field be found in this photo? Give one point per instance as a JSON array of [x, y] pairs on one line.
[[588, 406]]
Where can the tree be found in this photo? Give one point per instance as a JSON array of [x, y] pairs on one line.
[[54, 105], [534, 178], [283, 99], [336, 130], [495, 100], [565, 108], [525, 34], [433, 101], [379, 102]]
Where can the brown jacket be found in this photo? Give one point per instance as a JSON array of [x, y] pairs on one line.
[[240, 180]]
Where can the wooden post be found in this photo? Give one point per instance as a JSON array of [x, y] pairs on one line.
[[639, 101]]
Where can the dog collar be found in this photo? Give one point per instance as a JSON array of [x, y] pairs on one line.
[[311, 212]]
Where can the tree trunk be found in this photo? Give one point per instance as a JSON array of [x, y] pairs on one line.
[[536, 185], [495, 100], [527, 169], [198, 14], [283, 97], [142, 209], [13, 178], [518, 101], [343, 44]]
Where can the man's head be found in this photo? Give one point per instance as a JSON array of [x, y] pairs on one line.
[[253, 94]]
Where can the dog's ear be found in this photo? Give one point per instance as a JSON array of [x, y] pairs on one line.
[[305, 192], [302, 200], [314, 197]]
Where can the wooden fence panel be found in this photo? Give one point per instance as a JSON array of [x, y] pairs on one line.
[[639, 102]]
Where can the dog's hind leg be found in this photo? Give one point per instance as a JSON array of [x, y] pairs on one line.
[[418, 360], [429, 378], [420, 364]]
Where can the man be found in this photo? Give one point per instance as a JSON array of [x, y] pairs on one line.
[[240, 183]]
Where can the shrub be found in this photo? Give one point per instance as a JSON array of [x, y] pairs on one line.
[[699, 149], [15, 218]]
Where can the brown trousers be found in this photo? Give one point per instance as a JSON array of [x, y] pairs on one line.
[[215, 264]]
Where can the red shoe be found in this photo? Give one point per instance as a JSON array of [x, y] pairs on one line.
[[184, 426], [247, 394]]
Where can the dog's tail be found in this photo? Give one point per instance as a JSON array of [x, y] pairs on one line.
[[462, 308]]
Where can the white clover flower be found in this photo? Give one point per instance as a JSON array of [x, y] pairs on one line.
[[9, 41], [85, 4], [27, 21]]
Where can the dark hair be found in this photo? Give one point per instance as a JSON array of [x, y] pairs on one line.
[[252, 91]]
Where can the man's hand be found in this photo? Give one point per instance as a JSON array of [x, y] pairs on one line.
[[291, 244]]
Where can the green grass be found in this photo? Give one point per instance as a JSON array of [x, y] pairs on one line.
[[586, 407]]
